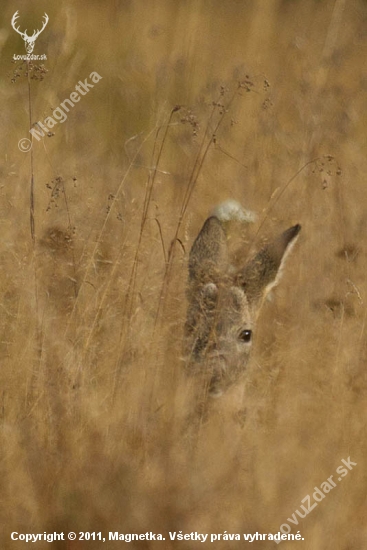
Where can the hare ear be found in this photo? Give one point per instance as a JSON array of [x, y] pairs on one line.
[[209, 253], [263, 272]]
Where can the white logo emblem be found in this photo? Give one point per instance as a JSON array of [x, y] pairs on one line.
[[29, 40]]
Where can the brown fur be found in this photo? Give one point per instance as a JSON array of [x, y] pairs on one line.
[[224, 305]]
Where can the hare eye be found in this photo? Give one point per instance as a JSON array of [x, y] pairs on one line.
[[246, 335]]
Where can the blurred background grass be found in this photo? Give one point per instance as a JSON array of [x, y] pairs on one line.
[[93, 409]]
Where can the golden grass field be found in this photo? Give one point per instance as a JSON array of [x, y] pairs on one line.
[[98, 429]]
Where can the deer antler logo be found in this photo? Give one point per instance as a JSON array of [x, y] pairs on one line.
[[29, 40]]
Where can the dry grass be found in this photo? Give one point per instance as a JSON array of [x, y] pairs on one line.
[[93, 406]]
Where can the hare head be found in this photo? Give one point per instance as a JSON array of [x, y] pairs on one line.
[[224, 303]]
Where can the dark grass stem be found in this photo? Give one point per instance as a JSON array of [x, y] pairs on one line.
[[209, 138], [102, 231], [38, 327], [32, 200], [147, 200]]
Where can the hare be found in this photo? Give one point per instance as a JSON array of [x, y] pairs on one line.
[[224, 303]]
